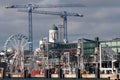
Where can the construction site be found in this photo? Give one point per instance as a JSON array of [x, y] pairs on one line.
[[57, 57]]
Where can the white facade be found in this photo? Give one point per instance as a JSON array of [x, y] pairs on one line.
[[53, 34]]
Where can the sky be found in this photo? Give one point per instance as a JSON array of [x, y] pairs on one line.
[[101, 19]]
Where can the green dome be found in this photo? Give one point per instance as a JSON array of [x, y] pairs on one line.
[[54, 27]]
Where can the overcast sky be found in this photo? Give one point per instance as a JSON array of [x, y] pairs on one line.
[[101, 18]]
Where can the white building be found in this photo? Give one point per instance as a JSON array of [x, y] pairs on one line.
[[53, 34]]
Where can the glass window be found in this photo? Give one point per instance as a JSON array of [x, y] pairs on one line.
[[103, 44], [114, 43], [88, 51], [118, 43], [109, 43], [118, 50]]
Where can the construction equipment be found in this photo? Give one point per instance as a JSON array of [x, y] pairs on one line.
[[30, 8], [63, 15]]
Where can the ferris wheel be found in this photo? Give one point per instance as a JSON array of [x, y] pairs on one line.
[[14, 46], [14, 41]]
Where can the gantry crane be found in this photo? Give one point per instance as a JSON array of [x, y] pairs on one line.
[[30, 10], [63, 15]]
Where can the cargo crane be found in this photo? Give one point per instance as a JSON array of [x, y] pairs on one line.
[[63, 15], [30, 8]]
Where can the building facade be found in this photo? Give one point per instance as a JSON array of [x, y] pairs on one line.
[[114, 44]]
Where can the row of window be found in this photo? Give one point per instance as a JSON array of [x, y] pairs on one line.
[[89, 45], [115, 45], [88, 51], [64, 46]]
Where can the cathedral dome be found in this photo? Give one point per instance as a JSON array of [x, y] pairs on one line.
[[54, 27]]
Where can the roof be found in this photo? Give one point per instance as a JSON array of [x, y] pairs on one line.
[[54, 27]]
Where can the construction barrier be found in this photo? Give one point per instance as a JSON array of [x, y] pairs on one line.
[[37, 76], [54, 75], [70, 76], [16, 75], [111, 76], [88, 75]]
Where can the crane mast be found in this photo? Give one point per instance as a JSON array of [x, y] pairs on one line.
[[65, 26], [30, 28], [30, 8]]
